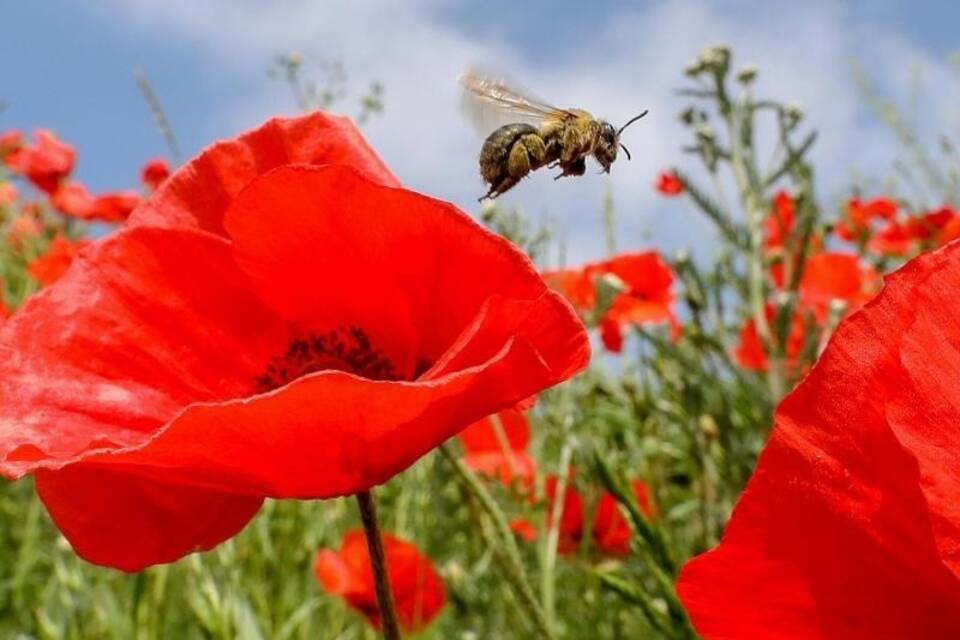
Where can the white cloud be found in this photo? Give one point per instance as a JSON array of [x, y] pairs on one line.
[[631, 62]]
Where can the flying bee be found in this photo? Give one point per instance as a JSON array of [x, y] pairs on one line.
[[546, 136]]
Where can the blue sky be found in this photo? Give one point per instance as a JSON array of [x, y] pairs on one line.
[[69, 66]]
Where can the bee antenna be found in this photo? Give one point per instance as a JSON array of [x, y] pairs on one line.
[[626, 151], [631, 121]]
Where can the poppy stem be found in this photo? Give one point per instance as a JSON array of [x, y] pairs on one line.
[[378, 560]]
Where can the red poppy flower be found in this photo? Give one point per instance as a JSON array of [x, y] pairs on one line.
[[24, 226], [832, 276], [73, 199], [750, 353], [49, 267], [10, 140], [850, 525], [855, 225], [340, 331], [894, 239], [8, 194], [524, 529], [611, 532], [668, 184], [418, 591], [500, 450], [576, 285], [780, 222], [646, 297], [45, 163], [570, 527], [154, 172]]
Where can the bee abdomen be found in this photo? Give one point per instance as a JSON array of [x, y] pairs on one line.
[[496, 149]]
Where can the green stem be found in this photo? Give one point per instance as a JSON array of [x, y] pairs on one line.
[[547, 587], [506, 541], [378, 560]]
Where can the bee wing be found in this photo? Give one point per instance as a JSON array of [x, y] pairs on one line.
[[491, 102]]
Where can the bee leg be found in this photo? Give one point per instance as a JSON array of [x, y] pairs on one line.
[[572, 146], [536, 149], [518, 162], [576, 168]]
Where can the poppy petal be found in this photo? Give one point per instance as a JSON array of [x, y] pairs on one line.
[[127, 337], [128, 522], [850, 527], [198, 194]]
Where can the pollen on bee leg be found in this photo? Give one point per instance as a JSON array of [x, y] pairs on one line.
[[345, 348]]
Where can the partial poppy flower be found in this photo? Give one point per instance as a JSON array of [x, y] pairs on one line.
[[849, 527], [750, 352], [5, 310], [611, 531], [669, 184], [496, 446], [58, 257], [646, 295], [198, 194], [895, 239], [570, 526], [154, 172], [833, 276], [45, 163], [524, 529], [10, 140], [333, 332], [779, 223], [855, 224], [73, 199], [26, 225], [418, 591], [8, 194], [936, 228]]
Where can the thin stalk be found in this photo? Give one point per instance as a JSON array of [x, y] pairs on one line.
[[378, 560], [548, 584], [507, 544]]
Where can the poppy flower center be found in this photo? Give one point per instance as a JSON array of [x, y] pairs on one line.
[[343, 349]]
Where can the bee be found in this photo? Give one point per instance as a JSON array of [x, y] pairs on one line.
[[546, 136]]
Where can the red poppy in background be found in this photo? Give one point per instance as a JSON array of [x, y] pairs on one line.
[[611, 532], [524, 529], [49, 267], [418, 592], [895, 239], [339, 330], [839, 276], [750, 352], [780, 222], [25, 225], [499, 450], [154, 172], [570, 526], [854, 226], [45, 163], [669, 184], [10, 140], [73, 199], [850, 525], [646, 295], [8, 194]]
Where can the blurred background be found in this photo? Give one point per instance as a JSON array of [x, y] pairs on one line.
[[208, 62]]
